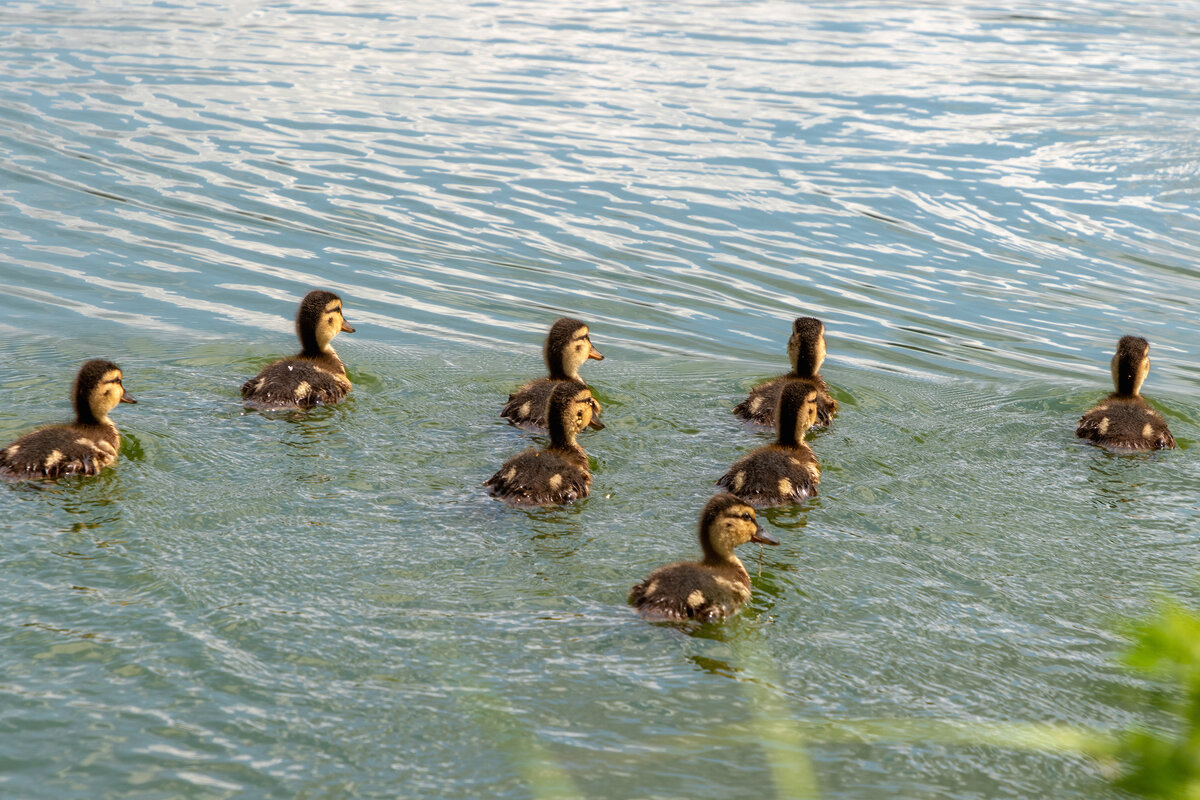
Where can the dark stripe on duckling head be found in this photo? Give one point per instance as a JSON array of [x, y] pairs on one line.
[[559, 410], [89, 377], [713, 509], [561, 335], [806, 346], [797, 411], [308, 317], [1127, 364]]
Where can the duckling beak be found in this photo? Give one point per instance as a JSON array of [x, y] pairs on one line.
[[594, 353], [596, 424], [346, 328], [762, 537], [126, 397]]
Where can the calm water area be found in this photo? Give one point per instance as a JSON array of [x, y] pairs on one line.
[[978, 200]]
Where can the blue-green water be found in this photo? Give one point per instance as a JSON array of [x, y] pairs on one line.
[[977, 200]]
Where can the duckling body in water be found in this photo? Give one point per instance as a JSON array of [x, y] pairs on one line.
[[568, 346], [314, 375], [806, 351], [1125, 421], [558, 474], [786, 471], [717, 585], [83, 447]]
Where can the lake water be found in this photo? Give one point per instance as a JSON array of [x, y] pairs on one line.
[[977, 200]]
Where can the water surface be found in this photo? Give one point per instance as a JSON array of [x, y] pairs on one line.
[[978, 201]]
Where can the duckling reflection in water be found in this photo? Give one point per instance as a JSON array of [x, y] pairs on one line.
[[1125, 421], [315, 374], [714, 587], [558, 474], [786, 471], [806, 351], [83, 447], [568, 346]]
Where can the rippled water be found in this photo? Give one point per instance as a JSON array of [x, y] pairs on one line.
[[977, 200]]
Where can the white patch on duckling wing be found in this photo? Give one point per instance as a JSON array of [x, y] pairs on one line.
[[695, 599]]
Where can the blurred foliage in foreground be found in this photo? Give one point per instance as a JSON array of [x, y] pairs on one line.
[[1166, 764]]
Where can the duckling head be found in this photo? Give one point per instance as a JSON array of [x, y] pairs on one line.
[[319, 320], [806, 346], [725, 523], [1130, 365], [570, 409], [98, 390], [568, 346], [797, 411]]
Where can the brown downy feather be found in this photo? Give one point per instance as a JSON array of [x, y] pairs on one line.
[[315, 374], [806, 351], [558, 474], [568, 346], [1125, 421], [83, 447], [714, 587], [787, 471]]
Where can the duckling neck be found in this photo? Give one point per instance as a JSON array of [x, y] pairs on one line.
[[1127, 386], [325, 354], [560, 371], [86, 415], [802, 368], [789, 433], [722, 560], [560, 437]]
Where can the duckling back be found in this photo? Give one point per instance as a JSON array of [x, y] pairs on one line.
[[759, 406], [690, 590], [61, 450], [773, 476], [297, 383], [526, 407], [540, 478], [1125, 424]]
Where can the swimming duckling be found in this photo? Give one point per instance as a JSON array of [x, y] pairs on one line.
[[1125, 421], [84, 447], [717, 585], [786, 471], [806, 351], [558, 474], [315, 374], [568, 346]]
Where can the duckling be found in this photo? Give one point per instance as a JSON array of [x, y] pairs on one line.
[[568, 346], [717, 585], [315, 374], [806, 351], [786, 471], [1125, 421], [84, 447], [558, 474]]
